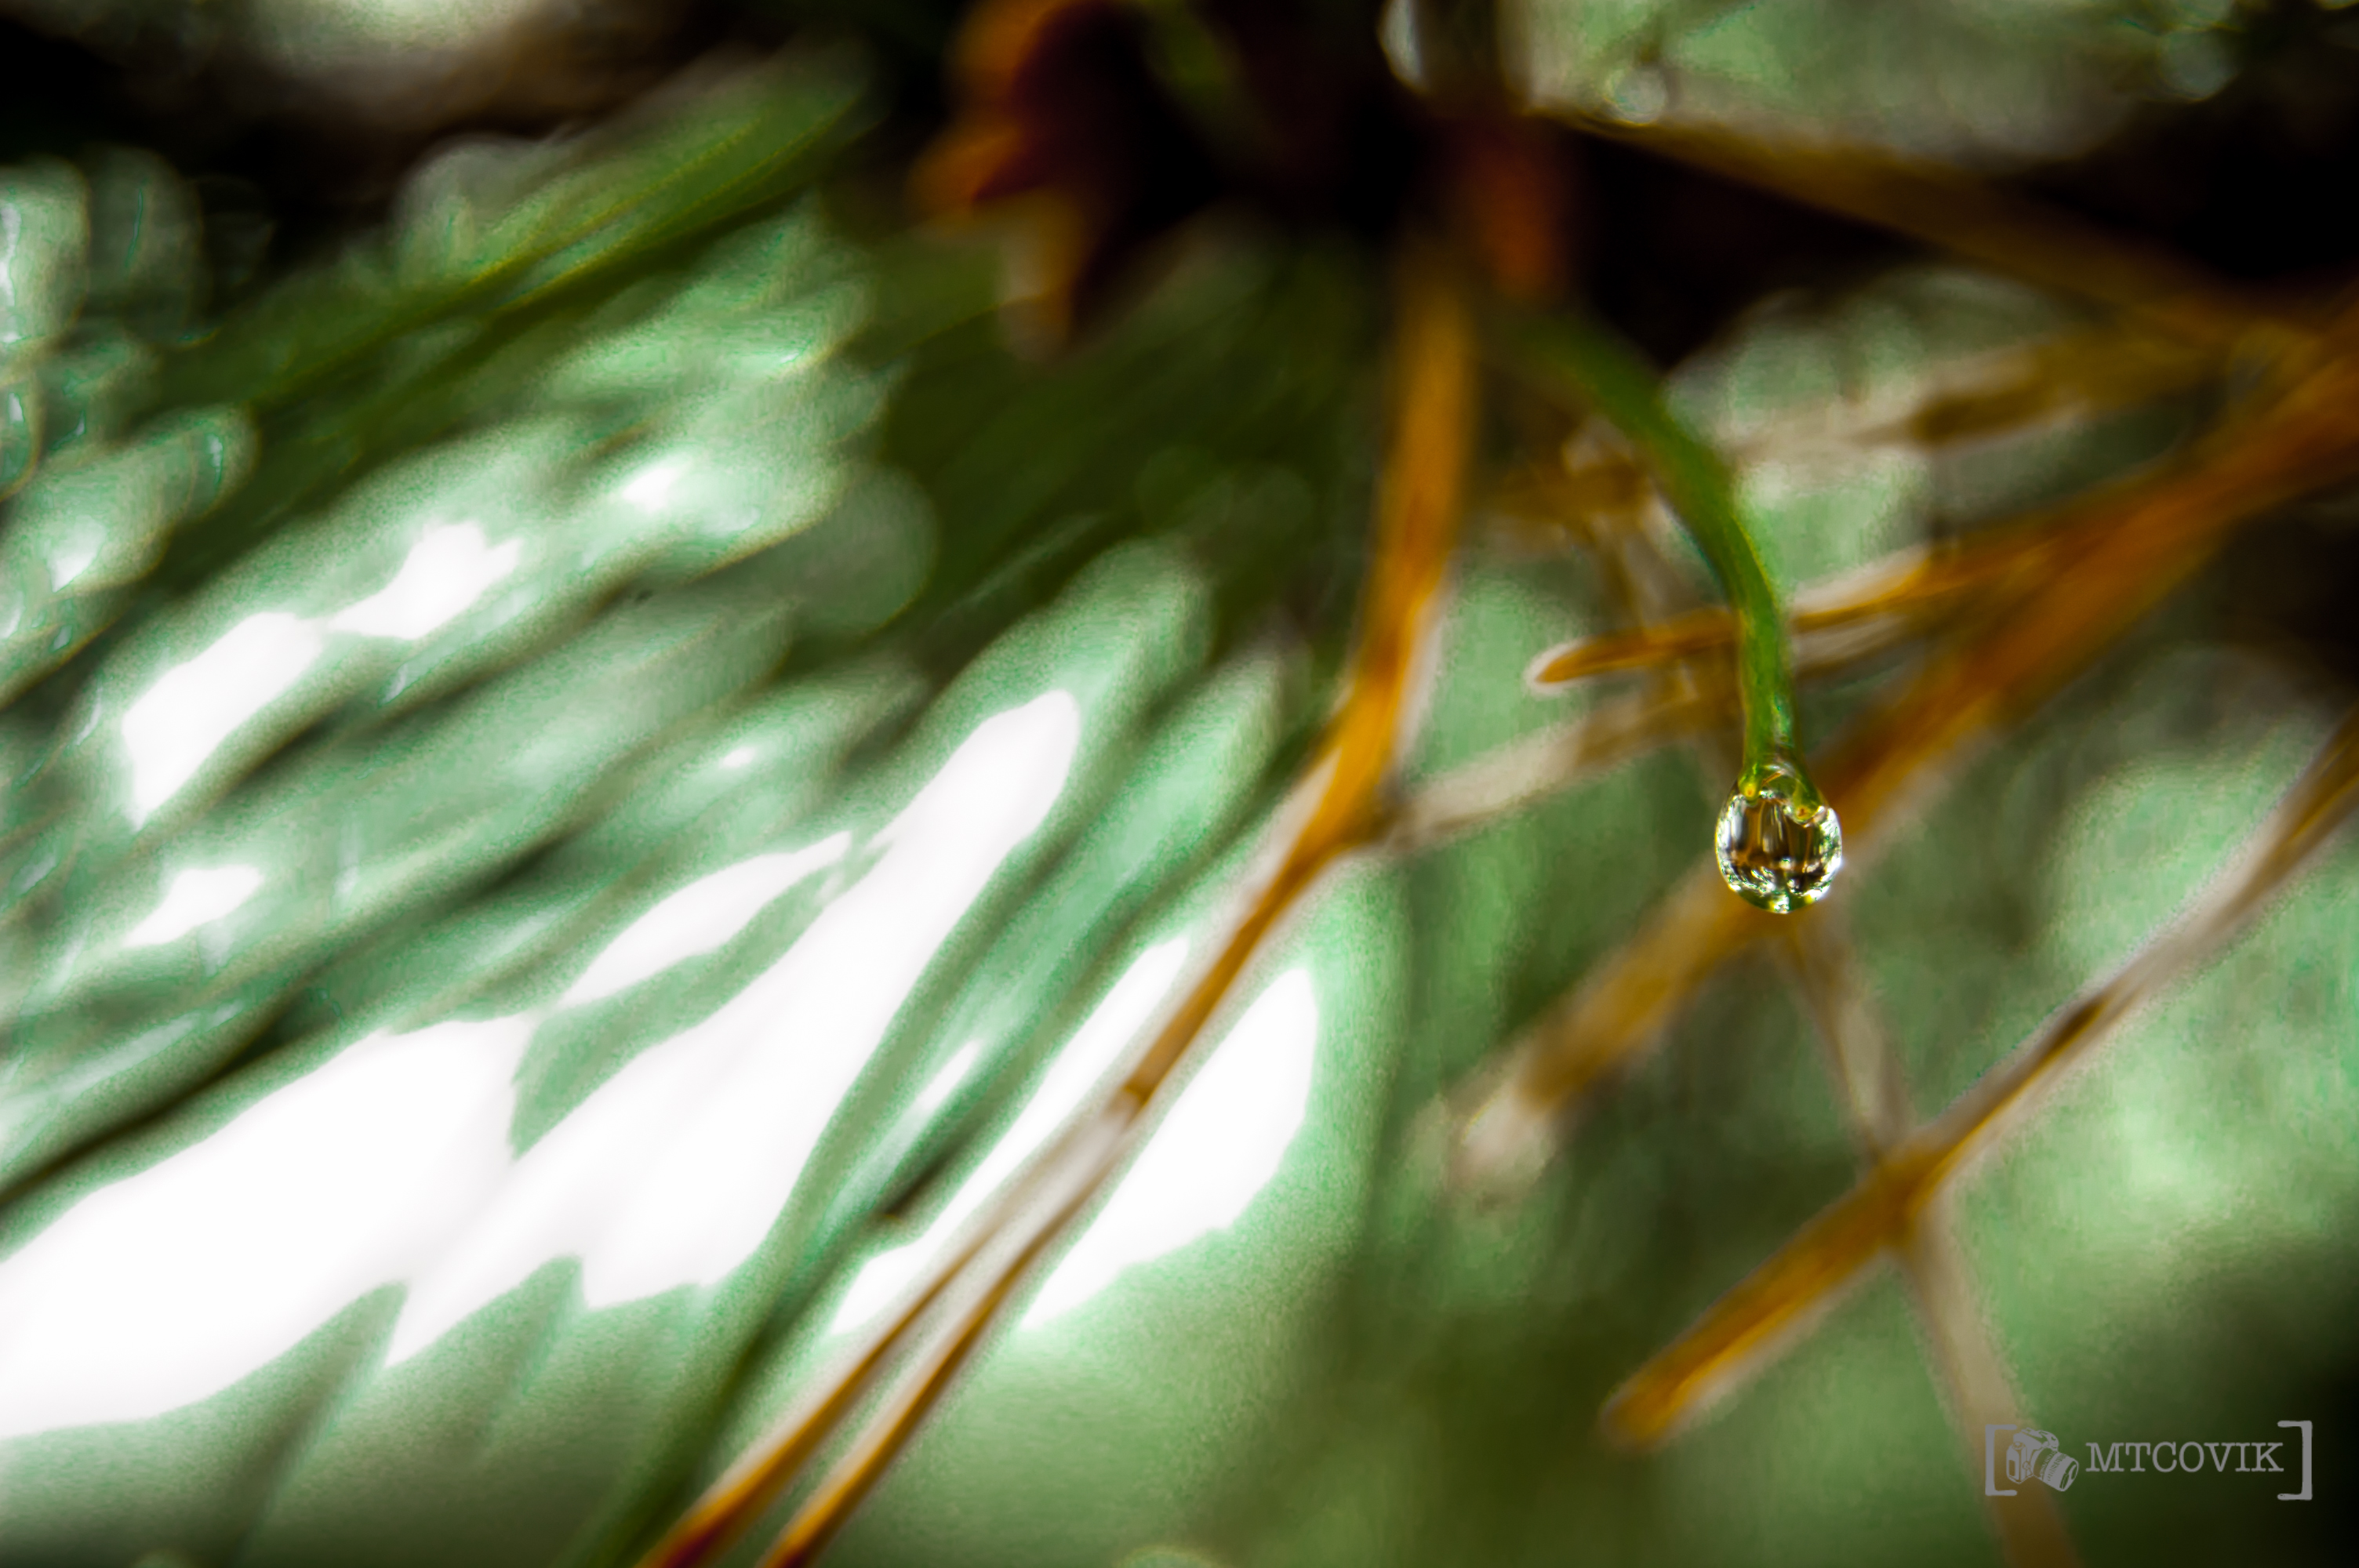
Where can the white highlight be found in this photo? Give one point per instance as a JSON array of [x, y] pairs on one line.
[[447, 571], [170, 1285], [391, 1162], [699, 918], [954, 1071], [1221, 1144], [198, 896], [73, 559], [1112, 1024], [673, 1171], [12, 225], [193, 707], [196, 705], [652, 486]]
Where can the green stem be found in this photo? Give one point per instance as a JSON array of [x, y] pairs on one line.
[[1570, 355]]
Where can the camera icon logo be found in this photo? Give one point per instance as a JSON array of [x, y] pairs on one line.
[[2033, 1455]]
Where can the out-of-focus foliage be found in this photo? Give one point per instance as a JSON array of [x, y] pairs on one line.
[[1981, 82], [397, 64], [593, 769]]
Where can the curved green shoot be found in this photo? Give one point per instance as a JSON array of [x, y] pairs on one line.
[[1779, 844]]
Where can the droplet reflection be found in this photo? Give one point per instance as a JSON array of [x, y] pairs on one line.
[[1774, 852]]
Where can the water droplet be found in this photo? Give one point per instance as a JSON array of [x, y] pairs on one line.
[[1639, 95], [1774, 853]]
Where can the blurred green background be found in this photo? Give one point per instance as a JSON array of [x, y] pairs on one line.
[[597, 748]]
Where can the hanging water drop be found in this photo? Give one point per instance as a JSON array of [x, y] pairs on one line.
[[1779, 846]]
